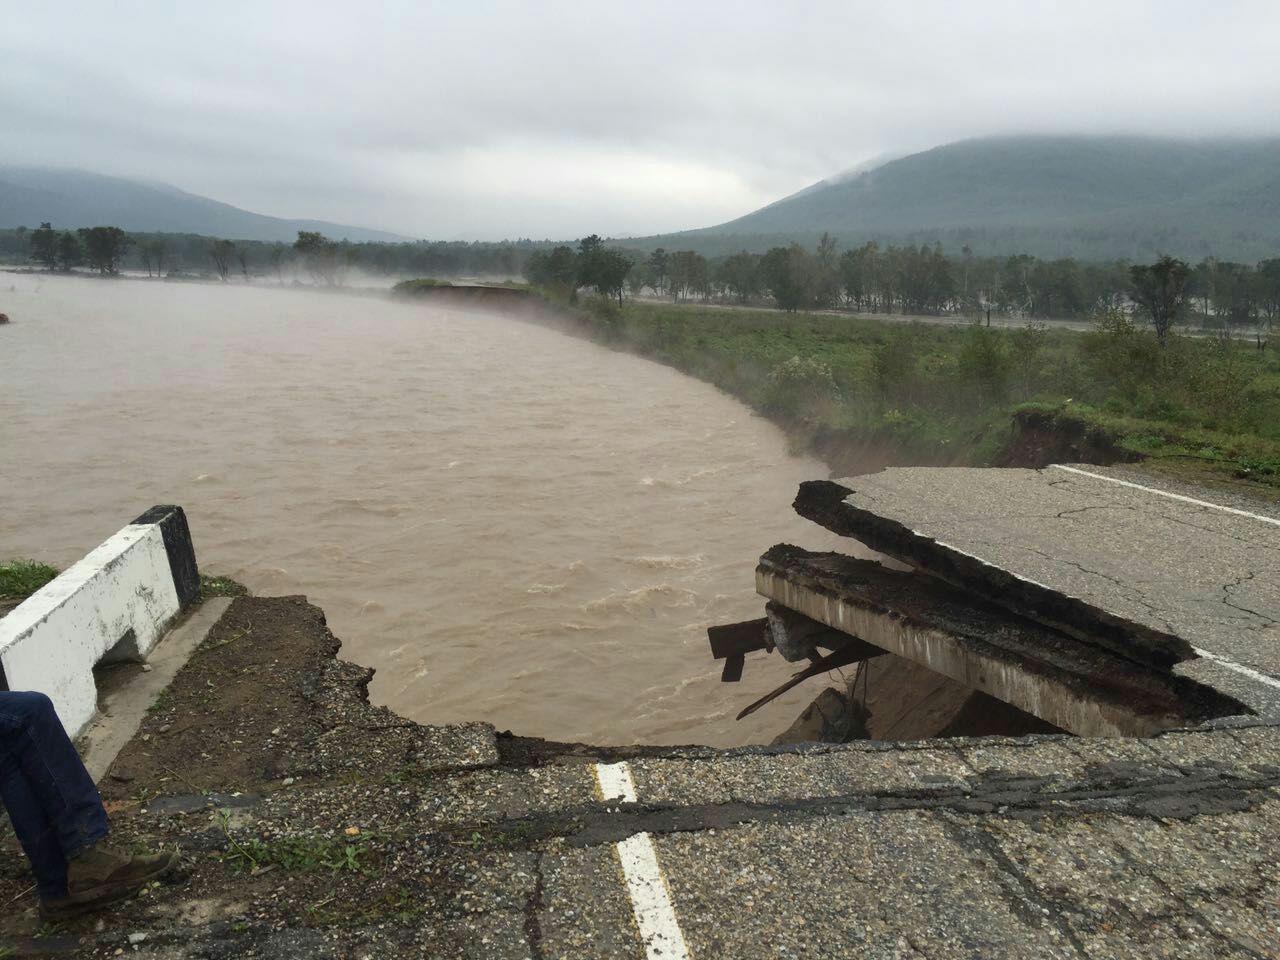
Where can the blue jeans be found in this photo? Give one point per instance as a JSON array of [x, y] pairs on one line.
[[52, 801]]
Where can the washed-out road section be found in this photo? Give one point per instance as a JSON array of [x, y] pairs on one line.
[[314, 825], [1199, 569]]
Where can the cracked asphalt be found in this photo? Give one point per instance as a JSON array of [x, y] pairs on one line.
[[473, 844], [1207, 574], [478, 845]]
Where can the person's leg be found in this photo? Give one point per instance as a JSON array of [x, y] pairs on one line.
[[33, 829], [59, 817], [32, 735]]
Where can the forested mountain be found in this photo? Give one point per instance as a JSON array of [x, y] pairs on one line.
[[1093, 198], [30, 196]]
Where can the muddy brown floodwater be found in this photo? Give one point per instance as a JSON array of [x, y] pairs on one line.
[[510, 524]]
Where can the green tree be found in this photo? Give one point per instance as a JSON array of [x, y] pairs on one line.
[[104, 247], [1160, 290], [610, 268], [688, 274], [658, 266], [44, 245], [639, 277], [740, 275], [1268, 298], [70, 253], [320, 255], [1027, 357], [590, 262], [153, 254], [824, 278], [788, 274], [221, 251], [562, 268]]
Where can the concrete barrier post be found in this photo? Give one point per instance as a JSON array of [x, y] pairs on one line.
[[113, 604]]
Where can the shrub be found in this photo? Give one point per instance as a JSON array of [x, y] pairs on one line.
[[1120, 357], [893, 366], [801, 387], [985, 363]]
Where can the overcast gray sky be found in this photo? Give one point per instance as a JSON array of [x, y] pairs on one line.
[[485, 119]]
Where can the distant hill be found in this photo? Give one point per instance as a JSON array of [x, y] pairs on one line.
[[1087, 197], [74, 198]]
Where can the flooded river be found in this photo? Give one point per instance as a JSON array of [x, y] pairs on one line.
[[510, 524]]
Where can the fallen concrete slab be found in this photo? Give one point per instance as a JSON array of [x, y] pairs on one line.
[[839, 508], [1159, 576], [1075, 686]]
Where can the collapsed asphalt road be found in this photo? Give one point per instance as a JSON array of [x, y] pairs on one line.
[[314, 825], [1201, 574]]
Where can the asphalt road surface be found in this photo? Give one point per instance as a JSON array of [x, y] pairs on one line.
[[1182, 560]]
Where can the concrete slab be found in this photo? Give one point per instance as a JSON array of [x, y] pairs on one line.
[[1073, 685], [122, 710], [1171, 563]]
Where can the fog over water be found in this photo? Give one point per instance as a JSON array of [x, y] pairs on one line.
[[510, 524]]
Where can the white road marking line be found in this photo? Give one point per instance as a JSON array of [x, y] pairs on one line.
[[654, 915], [1238, 668], [615, 782], [1166, 493], [650, 901]]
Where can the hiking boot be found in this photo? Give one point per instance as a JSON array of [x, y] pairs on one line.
[[102, 876]]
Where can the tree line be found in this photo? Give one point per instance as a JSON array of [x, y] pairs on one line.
[[185, 255], [919, 280], [870, 278]]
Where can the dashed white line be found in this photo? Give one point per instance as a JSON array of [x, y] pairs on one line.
[[655, 916], [650, 901], [1239, 668], [1165, 493], [615, 782]]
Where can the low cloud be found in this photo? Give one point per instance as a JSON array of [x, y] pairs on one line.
[[554, 119]]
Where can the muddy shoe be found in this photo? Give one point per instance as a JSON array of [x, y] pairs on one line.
[[102, 876]]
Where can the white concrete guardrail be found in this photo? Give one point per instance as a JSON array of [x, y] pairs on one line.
[[112, 605]]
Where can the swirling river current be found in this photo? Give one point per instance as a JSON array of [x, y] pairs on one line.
[[508, 523]]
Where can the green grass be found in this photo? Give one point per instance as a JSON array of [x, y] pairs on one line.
[[221, 587], [936, 394], [299, 853], [21, 578]]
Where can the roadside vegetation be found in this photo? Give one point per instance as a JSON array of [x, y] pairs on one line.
[[928, 393], [1173, 367], [21, 578]]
